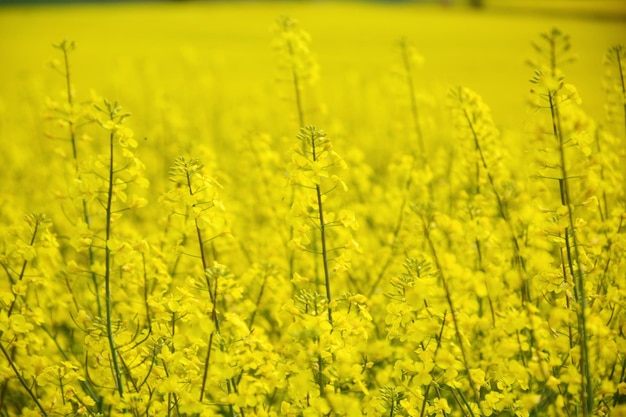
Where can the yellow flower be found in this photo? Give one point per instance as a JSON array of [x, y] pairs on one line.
[[18, 324]]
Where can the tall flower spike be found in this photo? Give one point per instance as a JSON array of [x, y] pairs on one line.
[[478, 132], [71, 115], [615, 86], [566, 151], [196, 198], [296, 64], [410, 60], [315, 166]]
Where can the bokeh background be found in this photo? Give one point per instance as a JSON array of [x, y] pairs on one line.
[[479, 44], [209, 68]]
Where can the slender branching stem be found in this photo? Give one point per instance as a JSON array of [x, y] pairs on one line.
[[322, 228], [107, 272], [320, 375], [23, 382], [503, 213], [396, 230], [206, 365], [324, 253], [66, 47], [86, 386], [618, 56], [213, 295], [20, 277], [453, 312], [258, 299], [443, 324], [576, 269], [146, 291], [297, 87], [203, 257], [408, 69]]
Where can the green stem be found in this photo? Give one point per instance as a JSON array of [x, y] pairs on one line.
[[300, 113], [107, 272], [446, 288], [525, 290], [72, 133], [576, 272], [212, 293], [23, 270], [414, 109], [618, 50], [296, 86], [70, 100], [320, 209], [409, 181], [430, 384], [320, 376], [22, 380], [205, 263], [258, 299], [397, 229], [85, 385]]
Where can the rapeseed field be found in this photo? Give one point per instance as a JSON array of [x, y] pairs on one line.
[[311, 209]]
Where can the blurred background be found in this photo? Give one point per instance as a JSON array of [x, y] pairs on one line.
[[206, 71], [209, 67], [605, 9]]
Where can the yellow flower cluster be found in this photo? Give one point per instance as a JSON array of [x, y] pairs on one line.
[[267, 275]]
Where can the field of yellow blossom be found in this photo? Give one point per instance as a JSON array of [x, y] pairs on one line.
[[311, 209]]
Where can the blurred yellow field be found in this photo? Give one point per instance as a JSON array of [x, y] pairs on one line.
[[313, 209], [222, 52], [485, 51]]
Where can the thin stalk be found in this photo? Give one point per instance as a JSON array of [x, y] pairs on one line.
[[469, 408], [320, 376], [23, 270], [211, 339], [422, 158], [258, 299], [300, 113], [296, 86], [621, 78], [617, 397], [446, 288], [65, 48], [207, 361], [231, 408], [320, 209], [22, 380], [570, 333], [525, 290], [439, 396], [203, 257], [85, 385], [577, 273], [414, 108], [211, 286], [145, 291], [171, 397], [397, 229], [324, 252], [443, 322], [107, 272]]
